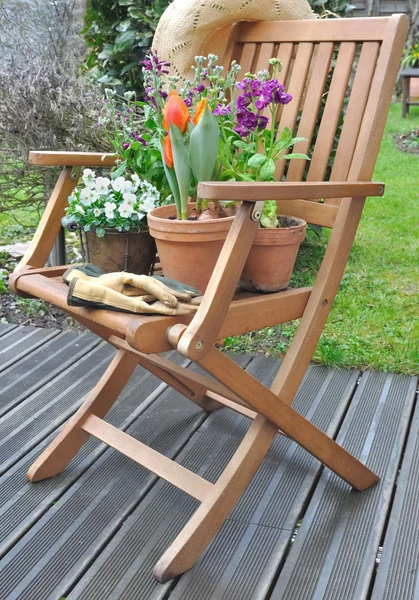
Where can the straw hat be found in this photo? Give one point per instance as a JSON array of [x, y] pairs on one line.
[[189, 28]]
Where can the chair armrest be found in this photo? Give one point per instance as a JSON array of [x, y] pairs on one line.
[[253, 191], [72, 159]]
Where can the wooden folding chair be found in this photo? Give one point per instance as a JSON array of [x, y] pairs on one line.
[[309, 51]]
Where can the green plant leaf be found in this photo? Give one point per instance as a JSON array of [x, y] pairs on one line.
[[267, 170], [257, 160], [203, 146], [182, 168], [119, 170]]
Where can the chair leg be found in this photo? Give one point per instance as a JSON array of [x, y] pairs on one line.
[[210, 516], [307, 435], [69, 441]]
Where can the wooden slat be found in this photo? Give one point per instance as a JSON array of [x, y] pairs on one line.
[[266, 52], [157, 463], [285, 53], [296, 89], [246, 59], [354, 113], [312, 212], [284, 190], [311, 108], [333, 30], [332, 111], [382, 87], [72, 159]]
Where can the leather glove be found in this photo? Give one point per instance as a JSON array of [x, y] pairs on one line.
[[127, 292]]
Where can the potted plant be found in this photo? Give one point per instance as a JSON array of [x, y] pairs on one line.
[[411, 57], [214, 129], [110, 215]]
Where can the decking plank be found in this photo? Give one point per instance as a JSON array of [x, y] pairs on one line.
[[31, 373], [6, 328], [257, 533], [398, 570], [28, 423], [22, 503], [333, 556], [60, 546], [19, 342]]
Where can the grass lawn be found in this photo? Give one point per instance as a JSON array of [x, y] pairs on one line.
[[374, 322]]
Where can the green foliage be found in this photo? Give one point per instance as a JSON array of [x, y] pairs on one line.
[[330, 8], [118, 34], [411, 56]]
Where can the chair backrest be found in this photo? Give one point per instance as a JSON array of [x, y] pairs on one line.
[[329, 66]]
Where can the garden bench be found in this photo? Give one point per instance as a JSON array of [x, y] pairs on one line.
[[307, 50]]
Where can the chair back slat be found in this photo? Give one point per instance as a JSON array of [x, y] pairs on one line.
[[296, 87], [332, 112], [334, 95], [246, 59], [310, 111], [285, 54], [266, 51], [354, 112]]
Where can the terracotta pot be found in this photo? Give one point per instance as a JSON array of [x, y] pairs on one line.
[[188, 250], [132, 251], [272, 256]]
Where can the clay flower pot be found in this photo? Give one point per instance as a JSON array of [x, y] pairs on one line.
[[188, 250], [272, 256]]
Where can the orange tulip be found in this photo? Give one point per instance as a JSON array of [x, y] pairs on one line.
[[168, 152], [175, 111], [199, 111]]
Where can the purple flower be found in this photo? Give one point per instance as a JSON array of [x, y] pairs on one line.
[[222, 110], [248, 121], [200, 88], [140, 139], [243, 102], [125, 146], [163, 94], [153, 63]]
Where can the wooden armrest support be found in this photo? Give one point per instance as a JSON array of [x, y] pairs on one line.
[[204, 329], [72, 159], [254, 191]]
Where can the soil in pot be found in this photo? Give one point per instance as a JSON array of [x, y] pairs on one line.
[[272, 256], [131, 251], [188, 250]]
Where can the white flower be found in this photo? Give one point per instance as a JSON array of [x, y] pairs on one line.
[[88, 178], [127, 187], [109, 209], [118, 183], [102, 185], [125, 210], [80, 209], [97, 212], [140, 215], [147, 202], [136, 181], [129, 198], [87, 196]]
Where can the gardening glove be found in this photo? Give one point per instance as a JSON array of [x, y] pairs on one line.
[[127, 292]]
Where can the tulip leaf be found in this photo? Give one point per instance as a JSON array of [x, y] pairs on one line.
[[171, 178], [203, 146], [182, 168]]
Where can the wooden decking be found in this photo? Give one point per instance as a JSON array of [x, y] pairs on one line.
[[95, 531]]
